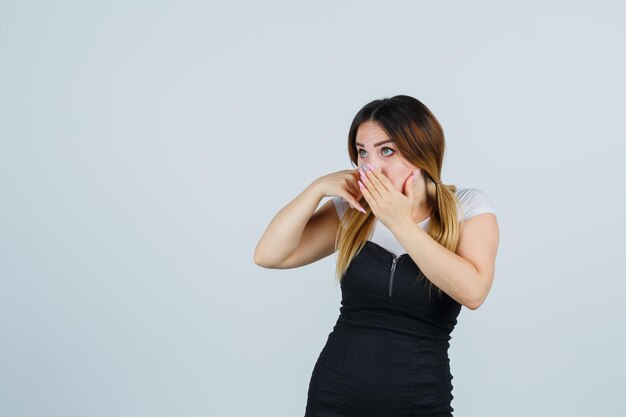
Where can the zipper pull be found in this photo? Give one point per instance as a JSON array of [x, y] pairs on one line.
[[393, 268]]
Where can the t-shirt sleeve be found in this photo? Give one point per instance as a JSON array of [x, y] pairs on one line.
[[340, 205], [474, 202]]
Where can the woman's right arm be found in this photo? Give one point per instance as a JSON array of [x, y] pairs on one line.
[[299, 235], [285, 230]]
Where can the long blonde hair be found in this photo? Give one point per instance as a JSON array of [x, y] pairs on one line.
[[420, 140]]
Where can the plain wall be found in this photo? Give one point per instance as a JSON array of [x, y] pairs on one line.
[[145, 147]]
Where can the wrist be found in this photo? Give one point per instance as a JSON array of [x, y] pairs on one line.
[[402, 226], [315, 190]]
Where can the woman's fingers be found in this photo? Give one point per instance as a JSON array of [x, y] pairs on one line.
[[354, 191], [355, 204], [367, 194], [380, 183], [369, 180], [380, 178]]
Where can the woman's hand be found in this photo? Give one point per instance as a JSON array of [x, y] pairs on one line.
[[343, 184], [389, 205]]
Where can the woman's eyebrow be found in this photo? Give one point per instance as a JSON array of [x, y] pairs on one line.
[[376, 144]]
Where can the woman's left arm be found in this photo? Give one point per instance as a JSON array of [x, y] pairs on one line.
[[467, 275]]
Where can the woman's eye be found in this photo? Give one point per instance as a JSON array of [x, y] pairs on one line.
[[385, 148]]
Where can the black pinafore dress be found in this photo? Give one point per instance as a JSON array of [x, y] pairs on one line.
[[387, 355]]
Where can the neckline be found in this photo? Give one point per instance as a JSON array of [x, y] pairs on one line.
[[384, 253], [418, 223], [424, 221]]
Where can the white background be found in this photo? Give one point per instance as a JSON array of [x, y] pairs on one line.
[[145, 146]]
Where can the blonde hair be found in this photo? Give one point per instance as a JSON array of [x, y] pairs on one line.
[[420, 140]]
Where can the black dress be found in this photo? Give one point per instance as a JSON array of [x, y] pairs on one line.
[[387, 355]]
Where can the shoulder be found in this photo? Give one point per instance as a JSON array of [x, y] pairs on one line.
[[473, 201]]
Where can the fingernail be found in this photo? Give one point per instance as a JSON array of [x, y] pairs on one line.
[[364, 167], [363, 210], [361, 184]]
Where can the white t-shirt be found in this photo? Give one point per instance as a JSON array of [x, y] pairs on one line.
[[473, 202]]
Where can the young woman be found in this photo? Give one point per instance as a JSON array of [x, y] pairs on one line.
[[411, 252]]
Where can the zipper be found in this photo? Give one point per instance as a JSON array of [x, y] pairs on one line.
[[393, 269]]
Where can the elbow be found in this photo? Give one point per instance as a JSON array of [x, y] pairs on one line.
[[258, 258], [473, 303], [476, 297], [260, 261]]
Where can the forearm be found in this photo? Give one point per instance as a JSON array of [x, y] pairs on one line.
[[455, 275], [284, 232]]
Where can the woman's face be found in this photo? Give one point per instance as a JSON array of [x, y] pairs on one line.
[[374, 147]]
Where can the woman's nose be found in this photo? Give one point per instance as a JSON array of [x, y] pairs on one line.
[[373, 166]]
